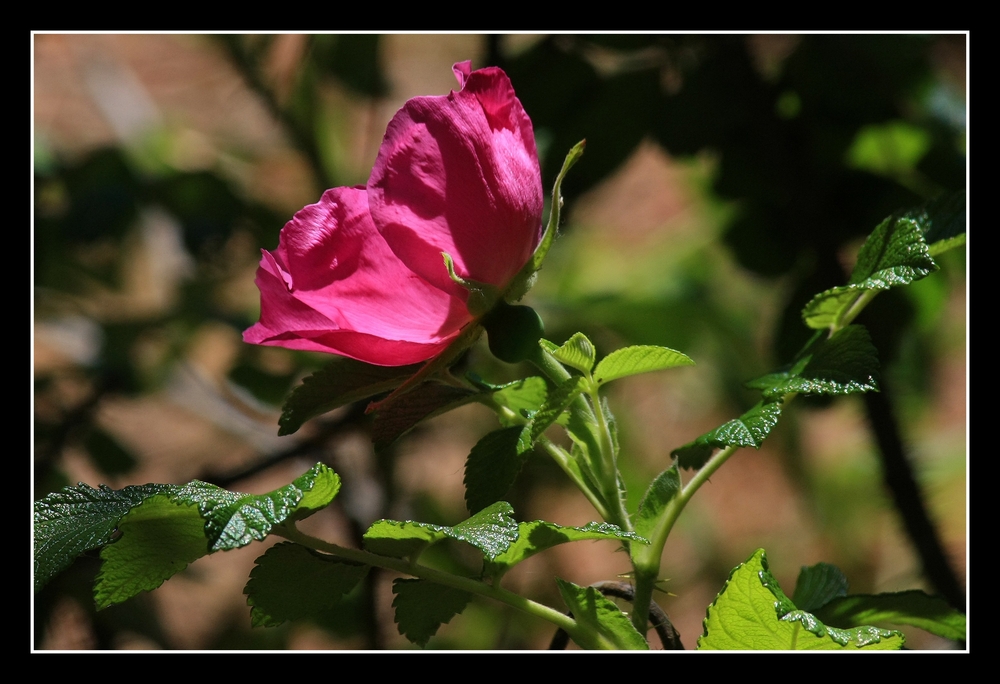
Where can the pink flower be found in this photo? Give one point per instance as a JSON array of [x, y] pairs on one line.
[[361, 273]]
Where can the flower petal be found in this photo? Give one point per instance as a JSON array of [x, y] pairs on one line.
[[333, 285], [459, 174]]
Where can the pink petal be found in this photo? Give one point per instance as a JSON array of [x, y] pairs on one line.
[[333, 285], [459, 174]]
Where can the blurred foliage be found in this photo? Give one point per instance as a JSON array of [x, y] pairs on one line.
[[805, 143]]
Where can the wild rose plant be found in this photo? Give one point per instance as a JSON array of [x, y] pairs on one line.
[[395, 279]]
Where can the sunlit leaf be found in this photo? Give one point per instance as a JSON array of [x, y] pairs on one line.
[[577, 352], [233, 520], [590, 608], [168, 531], [523, 397], [159, 538], [749, 430], [78, 519], [752, 613], [894, 254], [539, 535], [641, 359], [492, 531], [845, 363]]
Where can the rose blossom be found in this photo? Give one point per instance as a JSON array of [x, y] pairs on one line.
[[361, 273]]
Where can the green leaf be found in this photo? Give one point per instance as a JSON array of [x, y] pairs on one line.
[[291, 581], [845, 363], [647, 520], [894, 254], [342, 382], [233, 520], [592, 610], [539, 535], [557, 402], [169, 530], [749, 430], [818, 585], [577, 352], [523, 397], [492, 531], [422, 607], [634, 360], [752, 613], [903, 608], [159, 538], [942, 246], [493, 465], [429, 400], [78, 519]]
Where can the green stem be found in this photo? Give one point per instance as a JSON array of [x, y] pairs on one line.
[[646, 559], [609, 465], [846, 318], [643, 585], [577, 631]]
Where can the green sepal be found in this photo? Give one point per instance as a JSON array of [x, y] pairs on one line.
[[337, 384], [492, 531], [577, 352], [845, 363], [749, 430], [78, 519], [482, 296], [291, 581], [752, 613], [914, 607], [422, 607], [600, 617], [638, 359], [537, 536], [426, 401], [525, 278]]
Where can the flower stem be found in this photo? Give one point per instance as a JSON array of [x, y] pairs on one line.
[[580, 633]]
